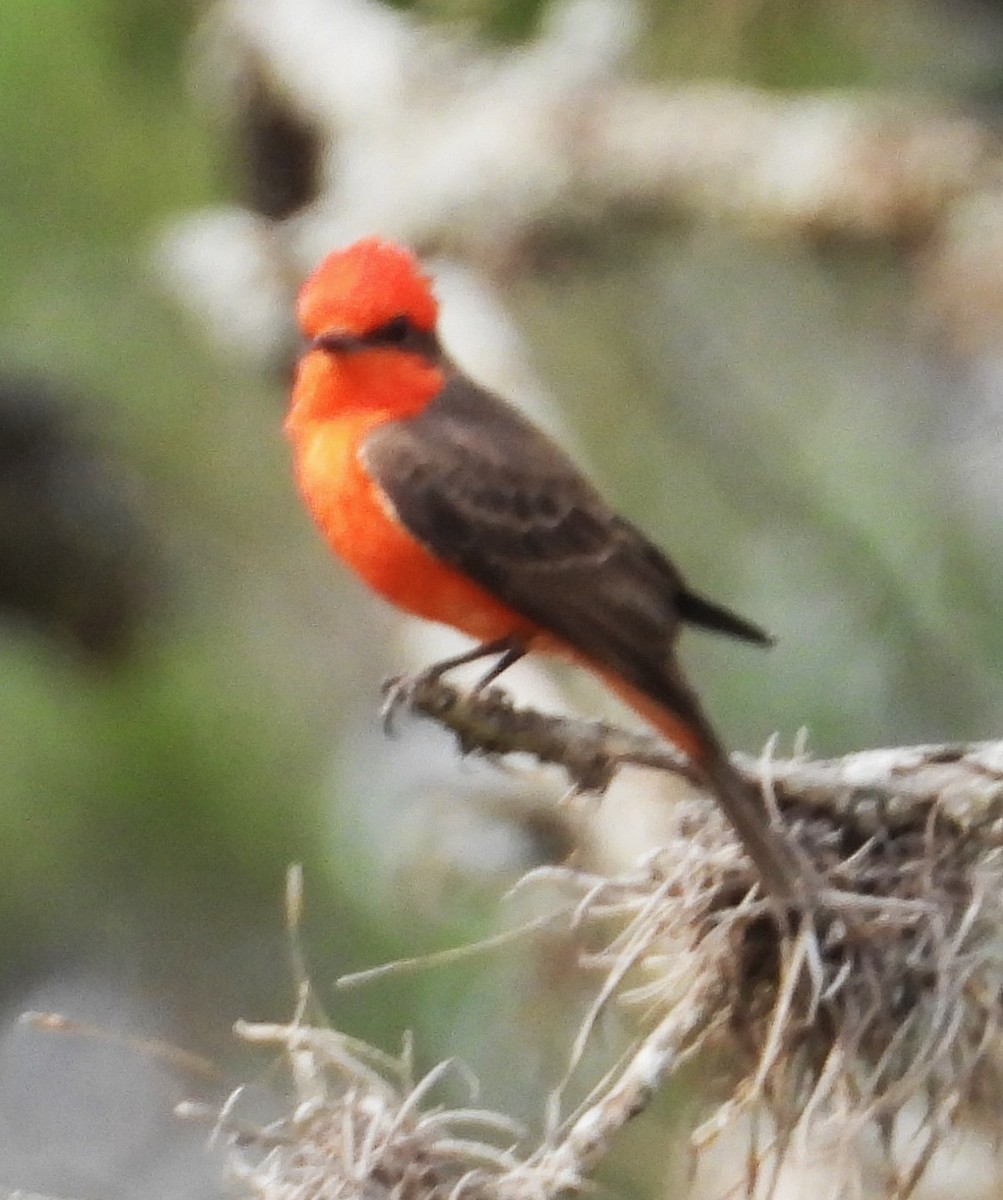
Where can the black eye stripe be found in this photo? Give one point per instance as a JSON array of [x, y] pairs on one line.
[[393, 332], [401, 331], [397, 329]]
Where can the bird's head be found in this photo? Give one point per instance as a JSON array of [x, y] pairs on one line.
[[369, 314], [370, 294]]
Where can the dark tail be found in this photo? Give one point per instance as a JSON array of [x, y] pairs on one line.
[[784, 875], [671, 706], [698, 611]]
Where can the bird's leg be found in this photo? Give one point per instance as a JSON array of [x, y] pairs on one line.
[[515, 651], [508, 649]]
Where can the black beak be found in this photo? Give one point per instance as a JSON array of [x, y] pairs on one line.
[[337, 343]]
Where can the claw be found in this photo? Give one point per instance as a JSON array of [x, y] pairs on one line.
[[398, 690]]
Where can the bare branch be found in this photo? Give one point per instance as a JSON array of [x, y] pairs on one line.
[[877, 791], [489, 723]]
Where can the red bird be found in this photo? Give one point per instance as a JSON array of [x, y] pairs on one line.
[[453, 506]]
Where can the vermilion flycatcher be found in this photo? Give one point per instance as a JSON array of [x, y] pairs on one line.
[[453, 506]]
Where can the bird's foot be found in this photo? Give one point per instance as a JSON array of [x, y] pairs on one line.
[[399, 690], [397, 693]]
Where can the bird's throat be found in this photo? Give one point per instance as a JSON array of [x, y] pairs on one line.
[[377, 380]]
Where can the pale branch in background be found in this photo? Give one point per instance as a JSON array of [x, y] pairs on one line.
[[343, 125]]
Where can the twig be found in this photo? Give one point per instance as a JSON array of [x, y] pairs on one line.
[[489, 723], [876, 791]]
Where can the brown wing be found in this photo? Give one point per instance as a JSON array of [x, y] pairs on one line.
[[485, 491]]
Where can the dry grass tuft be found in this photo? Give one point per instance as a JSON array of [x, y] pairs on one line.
[[887, 997], [362, 1127], [880, 1003]]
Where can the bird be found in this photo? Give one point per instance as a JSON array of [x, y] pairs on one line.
[[452, 505]]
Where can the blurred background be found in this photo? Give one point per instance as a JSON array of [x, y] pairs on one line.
[[744, 258]]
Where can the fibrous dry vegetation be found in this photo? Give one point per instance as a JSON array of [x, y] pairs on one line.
[[881, 1004]]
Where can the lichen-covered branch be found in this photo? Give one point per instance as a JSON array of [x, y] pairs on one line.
[[489, 723], [874, 791]]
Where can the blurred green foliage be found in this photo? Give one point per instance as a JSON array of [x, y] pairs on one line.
[[150, 810]]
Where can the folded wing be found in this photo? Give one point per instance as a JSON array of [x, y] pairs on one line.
[[487, 492]]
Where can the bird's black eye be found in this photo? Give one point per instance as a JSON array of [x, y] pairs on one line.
[[401, 332], [395, 331]]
